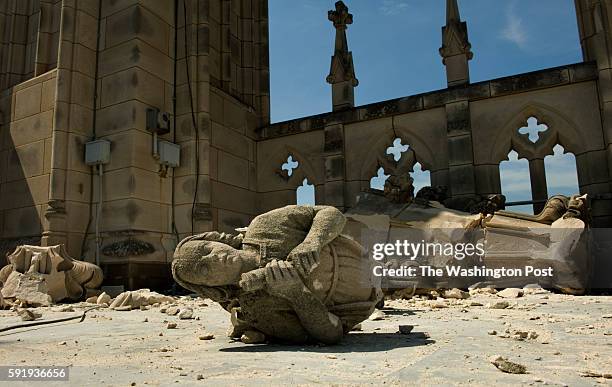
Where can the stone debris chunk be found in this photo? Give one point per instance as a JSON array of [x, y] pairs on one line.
[[172, 311], [253, 337], [103, 299], [510, 293], [438, 305], [456, 294], [486, 290], [185, 314], [207, 336], [377, 315], [138, 298], [92, 300], [29, 289], [507, 366], [171, 325], [492, 332], [28, 315], [594, 374], [498, 305], [405, 329]]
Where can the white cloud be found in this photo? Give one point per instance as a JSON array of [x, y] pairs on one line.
[[393, 7], [514, 31]]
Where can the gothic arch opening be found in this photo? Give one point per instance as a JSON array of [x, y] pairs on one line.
[[305, 193], [561, 172], [515, 182]]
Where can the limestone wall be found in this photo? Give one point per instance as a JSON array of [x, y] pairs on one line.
[[25, 156]]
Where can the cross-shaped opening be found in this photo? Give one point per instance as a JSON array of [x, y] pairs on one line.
[[290, 165], [378, 181], [533, 128], [397, 149]]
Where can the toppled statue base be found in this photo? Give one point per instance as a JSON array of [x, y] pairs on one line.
[[40, 276]]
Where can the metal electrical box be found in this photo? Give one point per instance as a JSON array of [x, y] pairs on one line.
[[97, 152], [169, 154]]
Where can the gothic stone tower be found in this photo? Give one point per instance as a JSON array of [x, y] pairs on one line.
[[77, 71]]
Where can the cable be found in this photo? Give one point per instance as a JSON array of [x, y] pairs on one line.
[[93, 125], [172, 210], [45, 322], [195, 125]]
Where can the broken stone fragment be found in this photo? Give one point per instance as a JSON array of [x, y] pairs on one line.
[[138, 298], [172, 311], [483, 291], [171, 325], [498, 305], [64, 276], [103, 299], [405, 329], [92, 300], [29, 288], [456, 294], [507, 366], [253, 337], [437, 305], [28, 315], [207, 336], [510, 293], [185, 314], [377, 315]]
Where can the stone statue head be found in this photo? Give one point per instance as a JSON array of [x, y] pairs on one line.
[[211, 268]]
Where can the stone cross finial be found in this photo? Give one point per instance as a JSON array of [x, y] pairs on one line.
[[342, 72], [340, 17], [456, 48]]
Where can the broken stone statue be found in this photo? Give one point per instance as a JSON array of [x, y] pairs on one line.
[[292, 276], [555, 238], [40, 276]]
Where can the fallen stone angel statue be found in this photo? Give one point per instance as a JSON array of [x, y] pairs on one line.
[[292, 276]]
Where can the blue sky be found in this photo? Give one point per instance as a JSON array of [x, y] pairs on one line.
[[395, 49]]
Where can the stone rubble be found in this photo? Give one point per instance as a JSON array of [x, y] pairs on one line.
[[507, 366]]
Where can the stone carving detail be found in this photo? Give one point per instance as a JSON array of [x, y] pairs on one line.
[[342, 71], [55, 207], [342, 68], [289, 277], [128, 247], [42, 275], [557, 207], [454, 34]]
